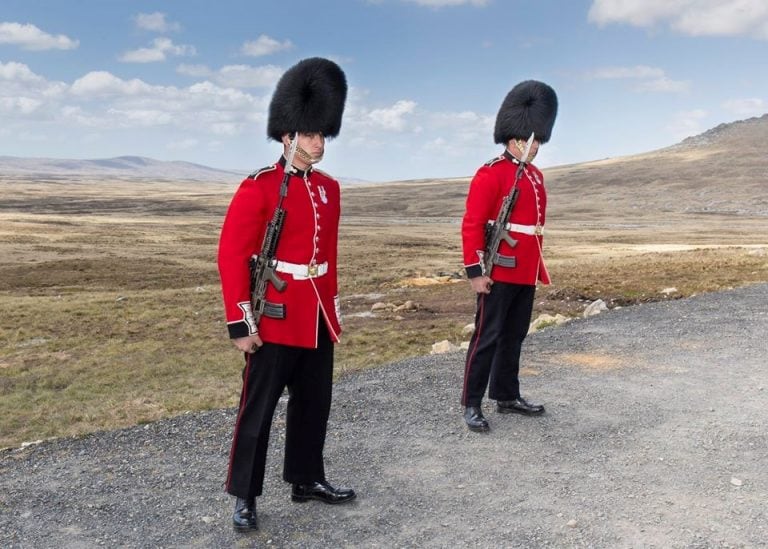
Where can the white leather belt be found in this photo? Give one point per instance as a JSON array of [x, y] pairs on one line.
[[525, 229], [301, 272]]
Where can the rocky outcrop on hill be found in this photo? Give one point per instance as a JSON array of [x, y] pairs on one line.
[[750, 131]]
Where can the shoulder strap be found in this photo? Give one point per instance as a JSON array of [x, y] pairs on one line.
[[257, 173], [493, 161]]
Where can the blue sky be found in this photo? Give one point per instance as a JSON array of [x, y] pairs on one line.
[[191, 79]]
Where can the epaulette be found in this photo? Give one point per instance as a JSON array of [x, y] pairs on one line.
[[257, 173], [493, 161], [321, 172]]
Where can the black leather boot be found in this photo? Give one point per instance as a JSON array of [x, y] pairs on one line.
[[244, 517], [519, 406], [473, 416], [321, 491]]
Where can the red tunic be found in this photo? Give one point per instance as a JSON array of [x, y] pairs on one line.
[[491, 184], [310, 235]]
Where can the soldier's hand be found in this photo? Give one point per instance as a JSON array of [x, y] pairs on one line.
[[248, 344], [481, 284]]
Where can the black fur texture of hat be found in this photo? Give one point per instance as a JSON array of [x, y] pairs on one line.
[[531, 106], [309, 98]]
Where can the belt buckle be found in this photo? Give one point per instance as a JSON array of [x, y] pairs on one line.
[[539, 230], [312, 270]]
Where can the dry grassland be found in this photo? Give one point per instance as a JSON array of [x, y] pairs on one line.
[[110, 310]]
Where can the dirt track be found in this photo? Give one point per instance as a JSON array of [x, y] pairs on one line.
[[656, 436]]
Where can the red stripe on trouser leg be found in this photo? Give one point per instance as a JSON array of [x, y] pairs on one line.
[[471, 353], [239, 417]]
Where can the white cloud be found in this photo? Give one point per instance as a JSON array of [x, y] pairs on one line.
[[22, 105], [466, 123], [160, 50], [245, 76], [416, 135], [390, 118], [18, 72], [143, 55], [458, 133], [221, 98], [100, 83], [368, 127], [264, 45], [735, 18], [443, 3], [100, 99], [235, 76], [437, 144], [745, 108], [128, 113], [155, 22], [686, 123], [196, 71], [132, 118], [22, 92], [363, 123], [649, 79], [444, 144], [184, 144], [29, 37], [227, 128], [77, 118], [638, 71], [664, 85], [691, 17], [137, 115]]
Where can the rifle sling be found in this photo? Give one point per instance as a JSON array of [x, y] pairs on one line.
[[274, 310]]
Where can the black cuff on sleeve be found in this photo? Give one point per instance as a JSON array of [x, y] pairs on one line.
[[473, 271], [238, 329]]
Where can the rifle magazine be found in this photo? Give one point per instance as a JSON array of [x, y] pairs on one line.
[[274, 310], [508, 261]]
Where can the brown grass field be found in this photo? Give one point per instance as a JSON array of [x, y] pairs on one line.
[[110, 311]]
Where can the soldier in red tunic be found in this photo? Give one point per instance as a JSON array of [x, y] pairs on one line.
[[505, 289], [291, 343]]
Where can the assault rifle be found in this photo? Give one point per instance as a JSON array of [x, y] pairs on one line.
[[497, 231], [264, 264]]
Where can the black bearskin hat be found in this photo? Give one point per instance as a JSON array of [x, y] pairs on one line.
[[530, 106], [308, 98]]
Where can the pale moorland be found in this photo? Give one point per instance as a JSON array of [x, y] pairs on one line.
[[110, 307]]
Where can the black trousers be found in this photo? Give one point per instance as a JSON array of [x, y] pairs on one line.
[[501, 324], [308, 375]]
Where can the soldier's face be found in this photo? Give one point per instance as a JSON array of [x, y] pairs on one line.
[[310, 148], [313, 143], [517, 148]]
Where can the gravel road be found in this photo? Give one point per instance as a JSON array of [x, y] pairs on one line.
[[656, 435]]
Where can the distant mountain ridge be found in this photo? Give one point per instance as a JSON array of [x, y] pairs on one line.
[[120, 166], [127, 167], [732, 152]]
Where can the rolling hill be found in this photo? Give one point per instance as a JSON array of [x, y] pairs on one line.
[[723, 171], [121, 166]]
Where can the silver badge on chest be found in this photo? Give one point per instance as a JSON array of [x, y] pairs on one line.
[[323, 196]]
